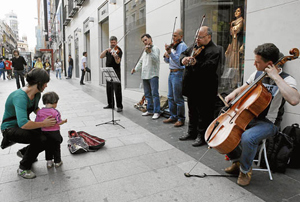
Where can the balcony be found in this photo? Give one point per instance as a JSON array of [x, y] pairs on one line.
[[72, 8], [79, 2], [66, 20]]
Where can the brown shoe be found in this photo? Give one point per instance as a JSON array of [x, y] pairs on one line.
[[244, 179], [234, 168], [169, 120], [178, 124]]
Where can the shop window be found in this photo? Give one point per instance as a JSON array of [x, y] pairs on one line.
[[227, 21], [135, 25]]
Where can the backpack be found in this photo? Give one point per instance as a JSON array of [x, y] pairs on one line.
[[294, 132], [2, 65], [279, 150]]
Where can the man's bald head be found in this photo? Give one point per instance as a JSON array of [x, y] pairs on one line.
[[204, 36], [179, 32]]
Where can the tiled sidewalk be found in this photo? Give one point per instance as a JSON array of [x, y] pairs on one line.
[[134, 165]]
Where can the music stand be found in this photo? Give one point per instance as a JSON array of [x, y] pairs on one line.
[[111, 76]]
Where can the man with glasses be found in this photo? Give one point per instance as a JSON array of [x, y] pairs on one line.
[[200, 84]]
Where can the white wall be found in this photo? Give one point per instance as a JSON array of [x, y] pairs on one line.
[[89, 9], [160, 16], [274, 21]]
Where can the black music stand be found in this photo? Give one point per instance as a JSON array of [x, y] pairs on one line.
[[111, 76]]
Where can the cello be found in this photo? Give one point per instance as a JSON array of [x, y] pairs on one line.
[[224, 133]]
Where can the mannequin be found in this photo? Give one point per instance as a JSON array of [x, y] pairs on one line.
[[232, 71]]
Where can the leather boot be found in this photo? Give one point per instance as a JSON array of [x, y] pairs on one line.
[[244, 179], [199, 141], [187, 136], [234, 168]]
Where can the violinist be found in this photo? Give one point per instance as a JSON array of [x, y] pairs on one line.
[[200, 84], [281, 86], [149, 66], [175, 98], [113, 59]]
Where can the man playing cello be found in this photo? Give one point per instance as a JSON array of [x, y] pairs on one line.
[[280, 85]]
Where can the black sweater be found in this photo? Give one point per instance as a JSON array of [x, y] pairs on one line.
[[201, 80], [18, 63]]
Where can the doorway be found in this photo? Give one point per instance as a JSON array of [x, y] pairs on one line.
[[104, 26], [87, 48], [76, 58]]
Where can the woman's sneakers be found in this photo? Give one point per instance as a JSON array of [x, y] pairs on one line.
[[27, 174], [50, 164], [58, 164]]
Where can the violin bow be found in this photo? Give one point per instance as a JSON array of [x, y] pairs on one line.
[[197, 32], [173, 30], [123, 37]]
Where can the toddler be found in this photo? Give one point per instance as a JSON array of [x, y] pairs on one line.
[[54, 139]]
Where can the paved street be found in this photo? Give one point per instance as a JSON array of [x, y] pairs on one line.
[[134, 165]]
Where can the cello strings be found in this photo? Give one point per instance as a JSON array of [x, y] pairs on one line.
[[199, 160]]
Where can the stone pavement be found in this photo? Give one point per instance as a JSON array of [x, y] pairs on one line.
[[134, 165]]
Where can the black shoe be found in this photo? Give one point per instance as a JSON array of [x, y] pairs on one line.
[[68, 78], [187, 137], [107, 107], [6, 142], [119, 110], [198, 142], [82, 84]]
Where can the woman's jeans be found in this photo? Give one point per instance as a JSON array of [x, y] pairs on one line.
[[58, 72], [151, 94], [256, 131]]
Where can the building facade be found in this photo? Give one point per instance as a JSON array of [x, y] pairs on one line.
[[238, 27], [12, 20], [8, 40]]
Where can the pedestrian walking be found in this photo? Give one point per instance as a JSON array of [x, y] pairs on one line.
[[83, 67], [70, 69], [57, 66], [39, 64], [47, 66], [8, 65], [18, 63], [2, 68]]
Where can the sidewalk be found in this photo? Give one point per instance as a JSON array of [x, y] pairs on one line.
[[134, 165]]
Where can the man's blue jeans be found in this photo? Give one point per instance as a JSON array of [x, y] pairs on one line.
[[176, 101], [2, 71], [256, 131], [70, 71], [151, 94]]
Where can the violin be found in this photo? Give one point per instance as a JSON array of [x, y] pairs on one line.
[[115, 50], [173, 45]]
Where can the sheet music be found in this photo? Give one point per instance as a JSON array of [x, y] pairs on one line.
[[110, 74]]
